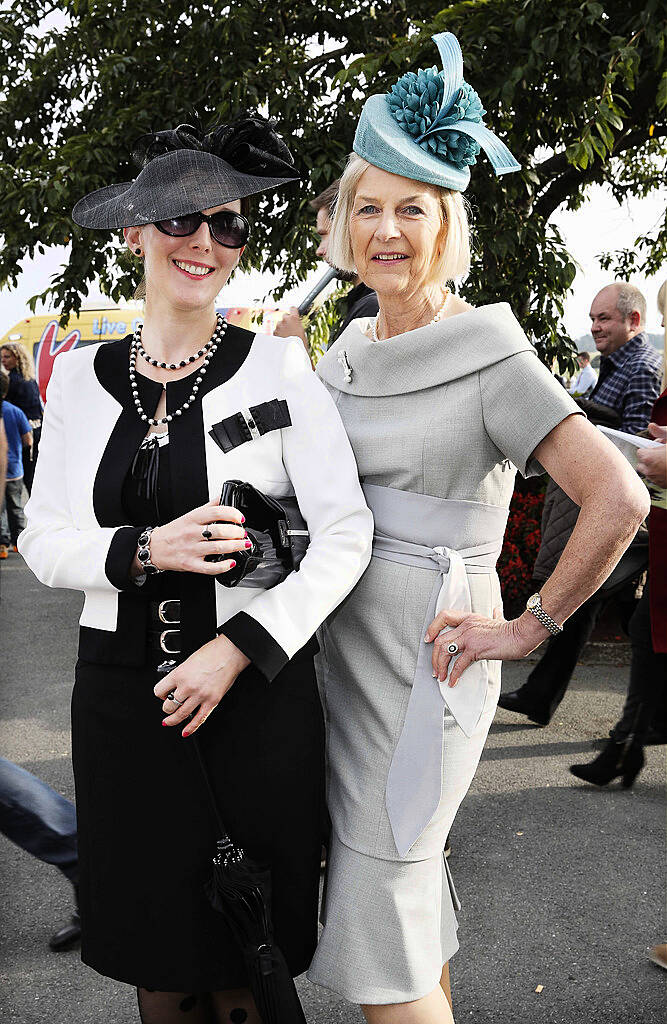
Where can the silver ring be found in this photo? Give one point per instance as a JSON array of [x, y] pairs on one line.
[[452, 648], [171, 696]]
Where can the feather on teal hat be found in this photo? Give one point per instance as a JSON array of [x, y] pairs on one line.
[[429, 126]]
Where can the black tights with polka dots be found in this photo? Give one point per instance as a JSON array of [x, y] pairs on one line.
[[231, 1007]]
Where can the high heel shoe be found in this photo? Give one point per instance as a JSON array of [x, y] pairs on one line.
[[624, 759]]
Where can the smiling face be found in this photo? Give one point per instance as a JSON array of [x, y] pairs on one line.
[[396, 232], [185, 273], [610, 328]]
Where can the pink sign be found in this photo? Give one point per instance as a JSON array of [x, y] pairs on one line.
[[47, 350]]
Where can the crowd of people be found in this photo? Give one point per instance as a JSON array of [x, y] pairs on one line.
[[22, 423], [191, 674]]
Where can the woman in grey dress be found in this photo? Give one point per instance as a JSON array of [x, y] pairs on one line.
[[442, 403]]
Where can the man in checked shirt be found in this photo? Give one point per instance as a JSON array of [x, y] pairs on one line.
[[628, 385], [630, 367]]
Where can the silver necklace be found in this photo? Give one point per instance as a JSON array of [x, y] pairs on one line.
[[210, 349], [436, 319]]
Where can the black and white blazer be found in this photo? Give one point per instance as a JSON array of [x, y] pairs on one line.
[[76, 535]]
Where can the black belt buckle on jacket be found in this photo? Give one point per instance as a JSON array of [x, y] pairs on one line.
[[165, 613]]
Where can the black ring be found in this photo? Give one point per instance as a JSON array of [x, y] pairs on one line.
[[206, 534], [170, 696]]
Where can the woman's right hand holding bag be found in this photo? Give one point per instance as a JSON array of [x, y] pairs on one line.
[[183, 544]]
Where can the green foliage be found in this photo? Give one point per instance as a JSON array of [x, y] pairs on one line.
[[322, 322], [578, 91]]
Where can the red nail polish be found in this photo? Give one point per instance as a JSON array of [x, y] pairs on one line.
[[232, 564], [243, 519], [184, 734], [248, 543], [164, 721]]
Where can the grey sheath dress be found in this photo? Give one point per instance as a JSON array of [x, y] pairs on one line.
[[439, 420]]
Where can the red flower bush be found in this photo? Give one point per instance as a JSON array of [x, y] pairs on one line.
[[522, 542]]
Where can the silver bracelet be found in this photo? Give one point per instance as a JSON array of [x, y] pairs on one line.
[[144, 553]]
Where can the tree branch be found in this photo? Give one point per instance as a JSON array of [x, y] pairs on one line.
[[561, 188], [554, 165], [324, 58], [643, 96]]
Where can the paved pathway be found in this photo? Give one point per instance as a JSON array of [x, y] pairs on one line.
[[562, 885]]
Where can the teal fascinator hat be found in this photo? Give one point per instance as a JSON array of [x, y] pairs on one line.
[[429, 126]]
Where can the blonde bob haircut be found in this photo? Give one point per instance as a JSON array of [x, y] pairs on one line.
[[453, 261]]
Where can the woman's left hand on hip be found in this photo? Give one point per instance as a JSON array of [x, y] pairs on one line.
[[197, 686], [476, 638]]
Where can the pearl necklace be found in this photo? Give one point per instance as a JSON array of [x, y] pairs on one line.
[[170, 366], [209, 348], [436, 319]]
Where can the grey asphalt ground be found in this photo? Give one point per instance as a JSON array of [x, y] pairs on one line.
[[562, 884]]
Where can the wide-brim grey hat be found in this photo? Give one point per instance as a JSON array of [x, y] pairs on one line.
[[171, 185]]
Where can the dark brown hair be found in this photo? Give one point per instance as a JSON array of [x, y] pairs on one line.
[[326, 199]]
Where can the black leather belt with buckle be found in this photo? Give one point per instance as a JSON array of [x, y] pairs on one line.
[[165, 613]]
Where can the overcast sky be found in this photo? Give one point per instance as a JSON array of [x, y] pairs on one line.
[[600, 225]]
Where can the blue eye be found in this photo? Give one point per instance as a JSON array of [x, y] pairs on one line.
[[412, 210], [367, 209]]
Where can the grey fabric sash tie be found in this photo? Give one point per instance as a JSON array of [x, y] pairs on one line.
[[475, 535]]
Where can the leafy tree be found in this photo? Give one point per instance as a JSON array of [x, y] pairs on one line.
[[578, 91]]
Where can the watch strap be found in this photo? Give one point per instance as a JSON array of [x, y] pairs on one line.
[[535, 607]]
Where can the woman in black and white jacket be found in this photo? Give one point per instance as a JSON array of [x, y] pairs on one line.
[[132, 441]]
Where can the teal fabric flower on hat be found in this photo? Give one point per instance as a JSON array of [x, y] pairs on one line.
[[442, 112], [416, 103], [429, 127]]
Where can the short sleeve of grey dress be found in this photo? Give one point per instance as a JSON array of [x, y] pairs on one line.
[[444, 414]]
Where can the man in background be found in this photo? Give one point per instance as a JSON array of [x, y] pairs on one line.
[[583, 382], [628, 385], [630, 367], [360, 301]]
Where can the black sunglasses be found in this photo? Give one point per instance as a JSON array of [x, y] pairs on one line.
[[228, 228]]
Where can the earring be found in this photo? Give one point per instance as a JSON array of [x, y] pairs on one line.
[[138, 252]]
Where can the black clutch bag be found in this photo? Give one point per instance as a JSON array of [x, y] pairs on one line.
[[278, 532]]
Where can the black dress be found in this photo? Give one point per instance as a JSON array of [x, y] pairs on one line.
[[146, 837]]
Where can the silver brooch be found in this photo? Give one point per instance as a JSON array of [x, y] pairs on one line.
[[347, 369]]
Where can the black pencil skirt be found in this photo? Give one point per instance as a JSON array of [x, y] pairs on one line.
[[146, 835]]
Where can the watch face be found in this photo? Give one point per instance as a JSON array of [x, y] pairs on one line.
[[534, 602]]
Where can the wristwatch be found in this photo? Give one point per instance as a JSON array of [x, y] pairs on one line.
[[534, 605], [144, 552]]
